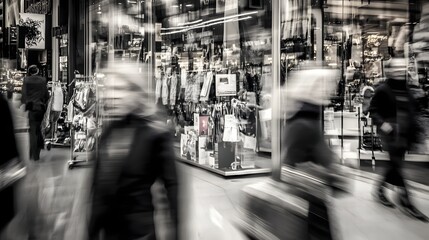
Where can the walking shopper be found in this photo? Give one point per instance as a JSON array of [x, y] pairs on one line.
[[35, 96], [305, 148], [134, 152], [392, 109], [9, 164]]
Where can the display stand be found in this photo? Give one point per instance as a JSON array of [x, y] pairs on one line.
[[53, 141], [85, 123], [227, 157]]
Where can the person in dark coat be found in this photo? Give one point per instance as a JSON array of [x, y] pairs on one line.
[[8, 152], [303, 142], [135, 151], [393, 110], [35, 96]]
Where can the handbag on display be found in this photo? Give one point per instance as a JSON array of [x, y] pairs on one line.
[[11, 172], [230, 132], [249, 142]]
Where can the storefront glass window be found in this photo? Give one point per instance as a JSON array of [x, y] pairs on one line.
[[357, 39], [208, 65]]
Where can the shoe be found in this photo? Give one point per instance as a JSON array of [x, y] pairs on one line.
[[413, 211], [381, 198]]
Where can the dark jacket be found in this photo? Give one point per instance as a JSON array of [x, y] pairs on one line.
[[303, 141], [35, 93], [133, 154], [384, 107], [303, 138], [8, 152]]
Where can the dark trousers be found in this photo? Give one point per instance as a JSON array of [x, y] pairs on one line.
[[36, 138], [393, 174], [319, 226]]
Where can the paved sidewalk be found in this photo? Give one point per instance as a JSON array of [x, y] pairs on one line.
[[214, 201]]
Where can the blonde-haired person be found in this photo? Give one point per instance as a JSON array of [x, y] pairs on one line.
[[135, 150]]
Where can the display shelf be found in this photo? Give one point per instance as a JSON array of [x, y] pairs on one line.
[[225, 173], [366, 155]]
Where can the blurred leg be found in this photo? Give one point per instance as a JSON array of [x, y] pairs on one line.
[[318, 220], [33, 139]]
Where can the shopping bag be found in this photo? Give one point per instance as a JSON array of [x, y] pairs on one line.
[[231, 132], [249, 142], [183, 145], [11, 172]]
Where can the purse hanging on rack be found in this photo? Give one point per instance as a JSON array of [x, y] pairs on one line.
[[230, 131]]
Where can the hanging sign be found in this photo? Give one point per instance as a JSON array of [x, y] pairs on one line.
[[226, 85], [35, 30]]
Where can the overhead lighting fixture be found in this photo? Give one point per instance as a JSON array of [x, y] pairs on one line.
[[99, 9], [190, 23], [132, 2], [204, 24], [207, 25], [189, 5], [175, 6]]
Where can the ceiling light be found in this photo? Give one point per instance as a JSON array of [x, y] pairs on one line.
[[189, 5], [175, 6]]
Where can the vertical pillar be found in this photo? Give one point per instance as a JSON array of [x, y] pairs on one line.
[[72, 30], [276, 99], [55, 45], [150, 37], [318, 15]]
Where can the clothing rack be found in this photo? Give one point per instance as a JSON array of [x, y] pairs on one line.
[[55, 140], [84, 118]]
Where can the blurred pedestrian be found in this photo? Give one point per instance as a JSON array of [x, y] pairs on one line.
[[10, 88], [35, 96], [392, 109], [305, 148], [367, 93], [135, 151], [9, 165]]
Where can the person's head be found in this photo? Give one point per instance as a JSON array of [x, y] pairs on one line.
[[396, 69], [125, 92], [33, 70]]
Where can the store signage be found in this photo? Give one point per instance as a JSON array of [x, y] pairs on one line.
[[226, 85], [192, 36], [35, 34]]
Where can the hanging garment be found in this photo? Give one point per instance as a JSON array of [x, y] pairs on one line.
[[206, 87], [158, 89], [46, 123], [173, 89], [230, 132], [57, 98], [189, 88], [196, 89], [70, 111], [164, 92]]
